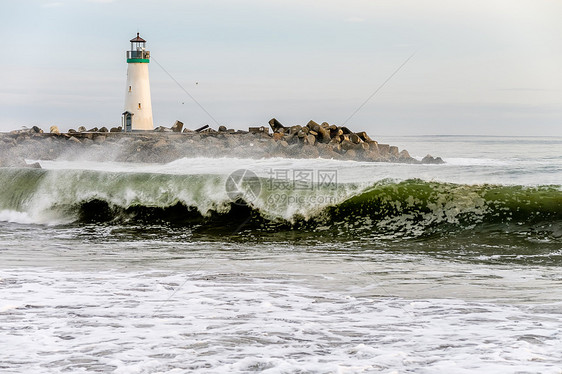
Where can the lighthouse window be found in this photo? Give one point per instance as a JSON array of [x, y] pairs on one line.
[[130, 88], [139, 105]]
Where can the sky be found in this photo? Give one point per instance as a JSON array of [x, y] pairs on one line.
[[479, 67]]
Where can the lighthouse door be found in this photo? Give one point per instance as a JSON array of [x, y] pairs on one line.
[[128, 122]]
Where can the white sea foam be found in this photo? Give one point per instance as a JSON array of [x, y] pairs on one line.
[[477, 161], [216, 322], [15, 216]]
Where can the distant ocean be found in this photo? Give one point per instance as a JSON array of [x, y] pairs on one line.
[[287, 266]]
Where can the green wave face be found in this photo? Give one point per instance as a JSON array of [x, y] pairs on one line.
[[387, 210], [427, 204], [18, 187]]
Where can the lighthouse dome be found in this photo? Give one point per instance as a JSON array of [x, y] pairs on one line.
[[138, 39]]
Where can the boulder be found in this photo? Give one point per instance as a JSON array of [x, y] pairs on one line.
[[177, 126], [384, 149], [277, 136], [310, 139], [115, 129], [371, 155], [222, 128], [354, 138], [94, 129], [324, 134], [336, 148], [334, 131], [313, 125], [289, 136], [363, 135], [275, 125], [347, 145], [81, 129], [295, 129], [162, 129], [325, 151], [103, 129], [337, 139], [293, 149], [404, 155], [429, 159], [351, 154], [54, 130], [73, 139], [36, 130], [373, 147], [309, 151], [258, 130], [393, 150]]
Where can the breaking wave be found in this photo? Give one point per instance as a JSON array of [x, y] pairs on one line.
[[386, 209]]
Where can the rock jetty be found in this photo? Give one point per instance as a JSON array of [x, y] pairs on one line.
[[165, 144]]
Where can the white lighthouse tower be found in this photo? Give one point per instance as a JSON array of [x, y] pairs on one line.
[[138, 106]]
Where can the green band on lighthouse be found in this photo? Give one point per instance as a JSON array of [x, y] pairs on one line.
[[133, 60]]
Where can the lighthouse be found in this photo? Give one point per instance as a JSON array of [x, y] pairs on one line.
[[138, 106]]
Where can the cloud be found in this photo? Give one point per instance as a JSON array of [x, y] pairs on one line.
[[53, 4], [355, 20]]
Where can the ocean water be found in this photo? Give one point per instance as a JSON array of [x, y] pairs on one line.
[[287, 266]]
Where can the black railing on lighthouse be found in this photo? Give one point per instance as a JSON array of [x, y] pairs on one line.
[[138, 54]]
